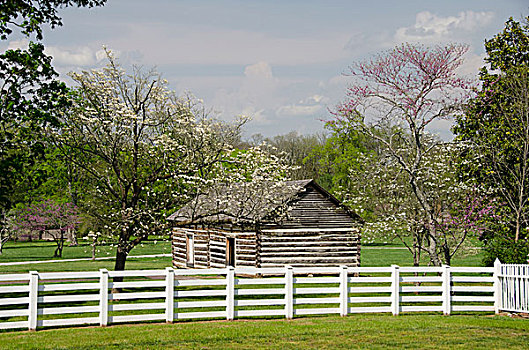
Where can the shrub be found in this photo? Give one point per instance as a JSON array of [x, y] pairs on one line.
[[507, 250]]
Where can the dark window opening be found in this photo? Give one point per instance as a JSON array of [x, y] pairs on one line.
[[230, 251]]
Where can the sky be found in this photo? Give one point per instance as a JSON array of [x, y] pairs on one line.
[[281, 63]]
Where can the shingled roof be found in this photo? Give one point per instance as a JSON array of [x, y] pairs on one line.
[[245, 203]]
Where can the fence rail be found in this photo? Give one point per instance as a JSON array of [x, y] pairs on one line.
[[104, 297]]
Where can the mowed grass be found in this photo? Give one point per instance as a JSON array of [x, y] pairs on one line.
[[351, 332], [398, 255], [159, 263], [371, 255], [43, 251]]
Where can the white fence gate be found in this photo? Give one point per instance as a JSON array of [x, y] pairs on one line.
[[514, 287], [104, 297]]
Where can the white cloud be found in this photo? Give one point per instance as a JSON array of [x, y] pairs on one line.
[[367, 42], [306, 107], [18, 44], [252, 95], [317, 99], [256, 116], [442, 127], [260, 70], [430, 27], [70, 57], [266, 99], [79, 57], [472, 63], [298, 110], [338, 81]]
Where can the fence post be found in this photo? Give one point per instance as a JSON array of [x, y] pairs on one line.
[[289, 292], [230, 293], [103, 297], [33, 300], [447, 297], [344, 291], [497, 286], [169, 294], [395, 290]]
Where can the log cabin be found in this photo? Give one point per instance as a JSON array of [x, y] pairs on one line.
[[295, 223]]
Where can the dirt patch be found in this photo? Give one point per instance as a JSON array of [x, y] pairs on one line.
[[522, 315]]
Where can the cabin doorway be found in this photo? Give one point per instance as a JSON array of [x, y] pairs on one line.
[[190, 250], [230, 251]]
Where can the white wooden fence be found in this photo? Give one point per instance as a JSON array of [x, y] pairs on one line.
[[37, 300], [514, 287]]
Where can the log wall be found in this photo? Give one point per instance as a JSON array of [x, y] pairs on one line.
[[201, 245], [178, 247], [210, 248], [246, 249], [309, 248]]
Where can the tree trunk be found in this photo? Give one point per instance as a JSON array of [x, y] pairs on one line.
[[3, 239], [121, 259], [73, 238], [446, 253], [427, 207], [93, 251], [432, 247], [2, 229], [60, 245], [417, 245], [517, 235]]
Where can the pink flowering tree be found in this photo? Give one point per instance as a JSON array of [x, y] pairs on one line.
[[55, 218], [393, 99]]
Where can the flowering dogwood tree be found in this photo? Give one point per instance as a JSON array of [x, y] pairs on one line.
[[55, 218], [393, 99], [460, 208], [247, 187], [142, 149]]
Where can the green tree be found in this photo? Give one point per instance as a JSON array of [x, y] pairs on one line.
[[340, 154], [29, 100], [29, 16], [30, 95], [507, 49], [495, 128]]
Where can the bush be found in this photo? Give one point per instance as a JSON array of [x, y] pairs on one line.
[[507, 250]]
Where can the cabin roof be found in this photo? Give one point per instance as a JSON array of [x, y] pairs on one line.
[[247, 203]]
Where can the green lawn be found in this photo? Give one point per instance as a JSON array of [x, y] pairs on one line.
[[43, 250], [355, 331], [380, 255], [372, 255], [132, 264]]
